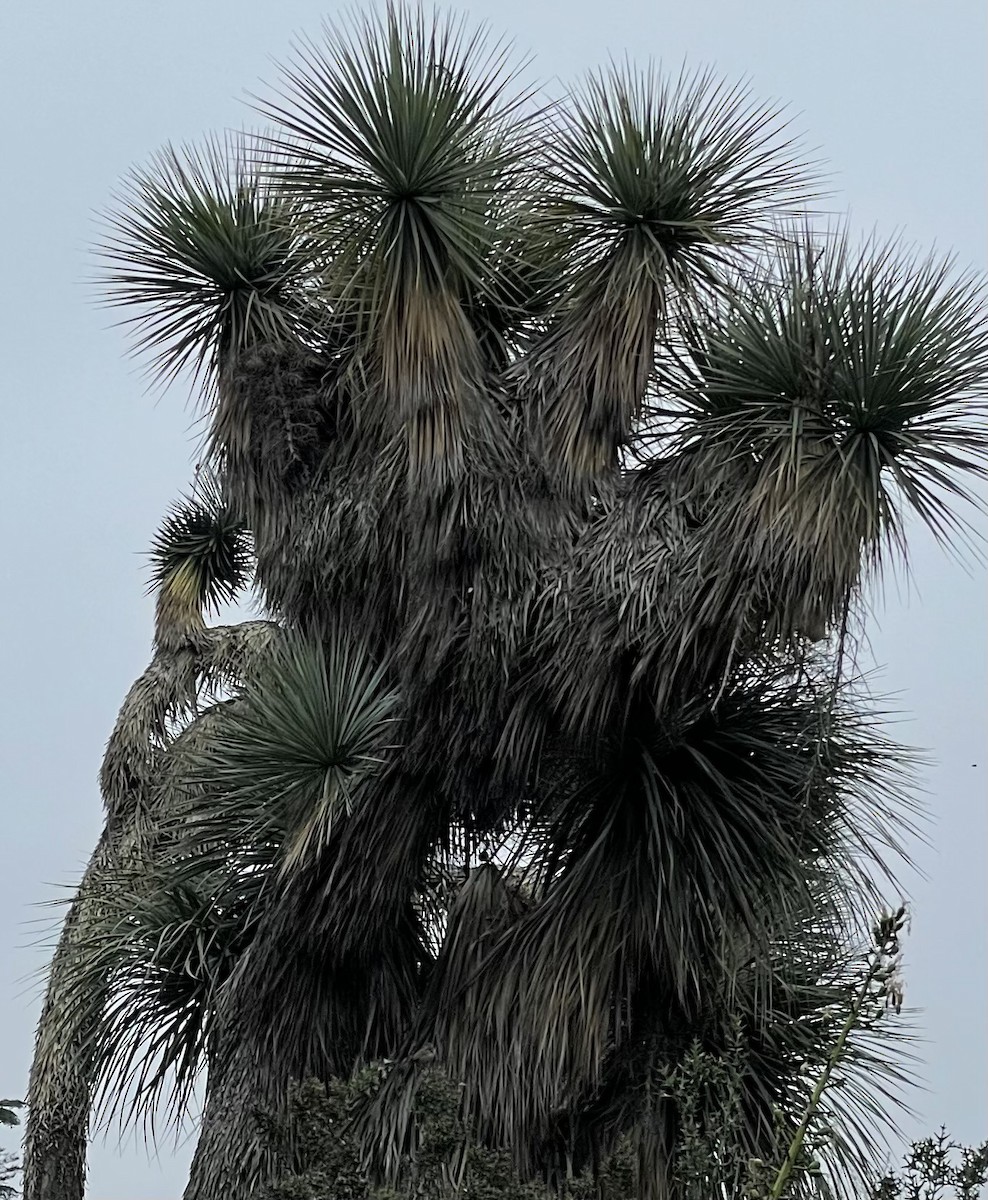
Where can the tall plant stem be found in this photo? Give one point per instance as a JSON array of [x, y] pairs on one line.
[[886, 945]]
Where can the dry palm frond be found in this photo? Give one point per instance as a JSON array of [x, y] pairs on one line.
[[606, 599], [166, 691], [670, 851], [233, 654], [486, 904], [338, 559], [276, 418], [166, 694]]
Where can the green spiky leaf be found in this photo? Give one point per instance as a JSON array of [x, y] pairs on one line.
[[209, 260], [201, 558], [855, 382]]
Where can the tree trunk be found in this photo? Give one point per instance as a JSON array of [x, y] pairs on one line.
[[232, 1157], [59, 1089], [60, 1085]]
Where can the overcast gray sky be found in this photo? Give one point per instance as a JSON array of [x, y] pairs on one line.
[[891, 92]]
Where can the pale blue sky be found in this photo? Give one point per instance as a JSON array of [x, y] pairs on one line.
[[891, 92]]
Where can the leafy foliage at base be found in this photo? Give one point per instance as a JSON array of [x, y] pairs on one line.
[[322, 1159], [320, 1150], [326, 1163], [9, 1164], [938, 1168]]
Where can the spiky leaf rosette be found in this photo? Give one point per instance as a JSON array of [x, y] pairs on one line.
[[681, 841], [268, 799], [163, 950], [209, 259], [286, 761], [650, 189], [248, 796], [201, 558], [398, 149], [838, 394]]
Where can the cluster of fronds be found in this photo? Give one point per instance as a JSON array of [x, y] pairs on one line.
[[565, 457]]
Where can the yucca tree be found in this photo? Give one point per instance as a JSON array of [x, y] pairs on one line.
[[568, 450]]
